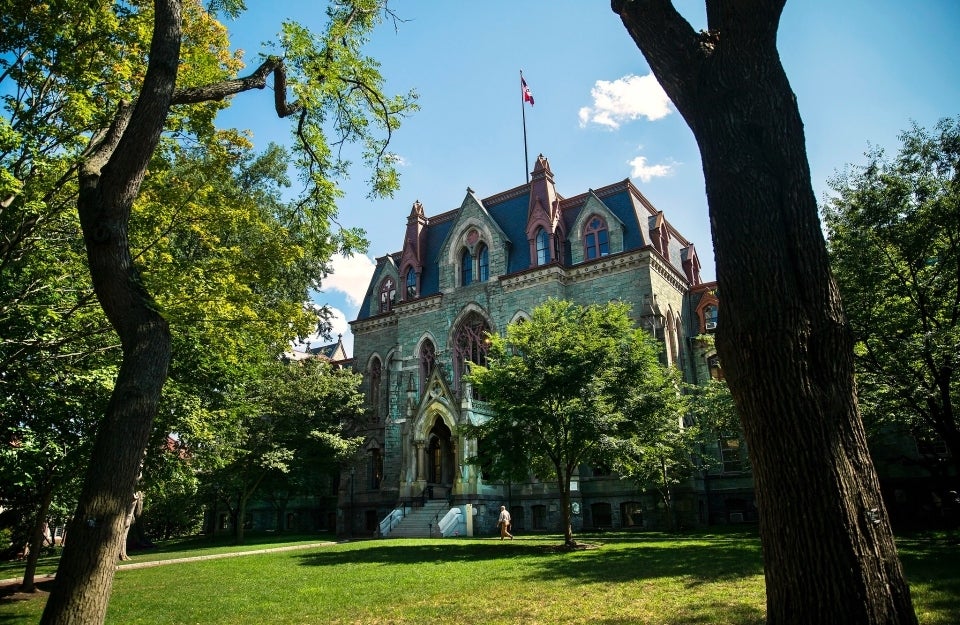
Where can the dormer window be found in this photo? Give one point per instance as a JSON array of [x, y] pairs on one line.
[[543, 247], [710, 318], [388, 291], [411, 284], [466, 268], [596, 239], [483, 263]]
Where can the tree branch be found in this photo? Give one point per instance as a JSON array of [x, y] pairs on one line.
[[256, 80]]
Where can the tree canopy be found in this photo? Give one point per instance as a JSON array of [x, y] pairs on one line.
[[893, 228], [558, 384], [110, 108]]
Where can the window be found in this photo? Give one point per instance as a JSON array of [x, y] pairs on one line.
[[411, 284], [631, 514], [539, 513], [596, 242], [470, 344], [543, 247], [716, 371], [731, 452], [483, 264], [466, 268], [376, 375], [710, 318], [602, 514], [388, 291], [428, 360], [376, 468]]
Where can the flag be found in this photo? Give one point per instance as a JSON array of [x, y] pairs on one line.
[[527, 96]]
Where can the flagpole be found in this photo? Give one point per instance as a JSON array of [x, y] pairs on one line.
[[523, 113]]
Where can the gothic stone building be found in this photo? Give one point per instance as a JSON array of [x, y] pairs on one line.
[[479, 267]]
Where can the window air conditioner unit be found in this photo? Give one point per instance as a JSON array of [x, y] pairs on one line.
[[736, 517], [711, 325]]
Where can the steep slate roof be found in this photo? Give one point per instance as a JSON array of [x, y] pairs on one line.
[[510, 209]]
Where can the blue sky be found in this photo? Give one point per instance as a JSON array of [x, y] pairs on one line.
[[862, 71]]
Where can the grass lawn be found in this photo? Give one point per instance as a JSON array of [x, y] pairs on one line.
[[697, 578]]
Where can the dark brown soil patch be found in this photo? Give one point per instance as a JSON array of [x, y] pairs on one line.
[[11, 592]]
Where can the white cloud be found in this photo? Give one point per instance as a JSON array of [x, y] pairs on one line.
[[625, 99], [640, 169], [351, 276], [339, 325]]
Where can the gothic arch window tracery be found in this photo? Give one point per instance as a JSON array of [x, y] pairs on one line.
[[470, 344], [428, 362], [596, 238], [388, 291]]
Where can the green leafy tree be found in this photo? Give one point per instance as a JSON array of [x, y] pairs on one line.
[[98, 86], [558, 383], [47, 419], [893, 230], [292, 425], [786, 347], [662, 452]]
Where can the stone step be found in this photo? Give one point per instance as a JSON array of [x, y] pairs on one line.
[[420, 522]]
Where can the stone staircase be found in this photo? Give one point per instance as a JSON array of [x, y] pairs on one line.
[[421, 522]]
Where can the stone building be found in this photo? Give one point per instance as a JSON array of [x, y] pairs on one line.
[[474, 269]]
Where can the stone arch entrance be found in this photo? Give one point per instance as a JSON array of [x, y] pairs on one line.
[[440, 460]]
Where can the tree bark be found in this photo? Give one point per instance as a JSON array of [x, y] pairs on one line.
[[133, 512], [109, 182], [28, 583], [564, 478], [786, 347]]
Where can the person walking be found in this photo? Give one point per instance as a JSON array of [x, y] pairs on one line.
[[504, 523]]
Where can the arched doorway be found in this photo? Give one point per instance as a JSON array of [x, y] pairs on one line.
[[440, 460]]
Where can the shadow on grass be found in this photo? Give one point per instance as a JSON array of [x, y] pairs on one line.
[[701, 559]]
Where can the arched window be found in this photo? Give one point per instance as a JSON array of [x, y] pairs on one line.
[[483, 264], [428, 360], [466, 268], [543, 247], [388, 291], [470, 344], [596, 242], [411, 284], [376, 377]]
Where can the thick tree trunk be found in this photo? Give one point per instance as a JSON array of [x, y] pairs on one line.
[[109, 182], [786, 348]]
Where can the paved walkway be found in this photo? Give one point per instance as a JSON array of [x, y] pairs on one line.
[[212, 556]]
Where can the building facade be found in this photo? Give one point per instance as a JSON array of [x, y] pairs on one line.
[[474, 269]]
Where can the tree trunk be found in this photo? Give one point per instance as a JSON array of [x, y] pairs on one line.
[[109, 182], [28, 583], [133, 511], [667, 495], [786, 348], [565, 521], [241, 514]]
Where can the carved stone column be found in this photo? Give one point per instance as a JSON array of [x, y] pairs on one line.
[[420, 460]]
